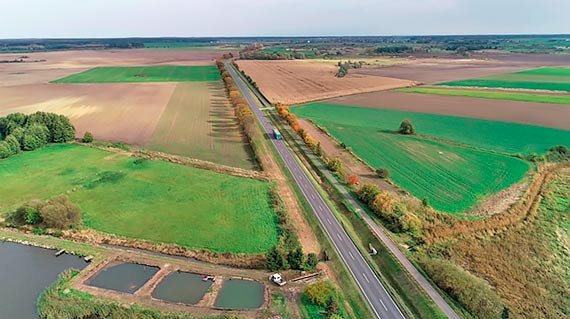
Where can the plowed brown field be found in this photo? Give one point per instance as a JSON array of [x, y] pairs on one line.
[[540, 114], [294, 82]]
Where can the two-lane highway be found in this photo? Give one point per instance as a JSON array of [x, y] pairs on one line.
[[373, 290]]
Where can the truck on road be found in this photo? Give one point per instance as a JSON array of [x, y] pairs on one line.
[[277, 134]]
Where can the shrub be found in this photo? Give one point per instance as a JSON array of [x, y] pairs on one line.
[[59, 212], [87, 137], [296, 259], [425, 202], [367, 193], [275, 260], [320, 293], [335, 164], [383, 172], [407, 128], [383, 204], [352, 180], [311, 262]]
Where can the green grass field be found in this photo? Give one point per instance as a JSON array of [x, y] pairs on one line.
[[505, 137], [550, 79], [150, 200], [199, 123], [454, 178], [188, 46], [144, 74], [513, 96]]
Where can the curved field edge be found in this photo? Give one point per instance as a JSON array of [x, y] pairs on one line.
[[521, 97], [150, 200], [453, 178], [125, 74]]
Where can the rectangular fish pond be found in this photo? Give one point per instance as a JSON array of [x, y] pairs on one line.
[[25, 271], [125, 277], [182, 287], [240, 294]]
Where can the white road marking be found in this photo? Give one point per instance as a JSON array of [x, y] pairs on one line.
[[363, 275], [383, 305], [329, 221], [351, 256], [337, 235]]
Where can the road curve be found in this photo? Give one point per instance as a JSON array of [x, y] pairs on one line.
[[380, 301]]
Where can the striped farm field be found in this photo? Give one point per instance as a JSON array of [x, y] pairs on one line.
[[547, 79], [198, 122], [165, 73], [496, 95], [151, 200], [453, 177]]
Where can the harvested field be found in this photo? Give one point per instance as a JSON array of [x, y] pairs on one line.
[[63, 63], [454, 178], [149, 200], [199, 123], [293, 82], [539, 114], [125, 113]]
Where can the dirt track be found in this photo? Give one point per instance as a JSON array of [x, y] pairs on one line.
[[294, 82], [541, 114]]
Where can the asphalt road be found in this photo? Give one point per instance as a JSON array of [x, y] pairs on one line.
[[375, 293]]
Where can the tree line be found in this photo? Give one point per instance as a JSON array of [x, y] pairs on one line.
[[21, 132]]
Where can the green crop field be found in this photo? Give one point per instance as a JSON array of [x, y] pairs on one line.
[[505, 137], [550, 79], [454, 178], [144, 74], [151, 200], [513, 96], [188, 46], [199, 123]]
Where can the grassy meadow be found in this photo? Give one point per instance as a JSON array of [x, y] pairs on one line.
[[513, 96], [199, 123], [454, 178], [150, 200], [549, 79], [125, 74]]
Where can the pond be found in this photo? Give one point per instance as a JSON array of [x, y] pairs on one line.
[[125, 277], [25, 272], [240, 294], [182, 287]]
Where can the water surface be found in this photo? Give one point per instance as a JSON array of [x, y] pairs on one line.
[[25, 272], [125, 277], [240, 294], [183, 287]]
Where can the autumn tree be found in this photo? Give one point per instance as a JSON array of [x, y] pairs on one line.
[[367, 193]]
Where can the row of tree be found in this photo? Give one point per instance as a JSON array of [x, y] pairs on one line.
[[241, 109], [291, 119], [21, 132], [278, 259]]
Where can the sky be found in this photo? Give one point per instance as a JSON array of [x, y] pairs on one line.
[[211, 18]]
